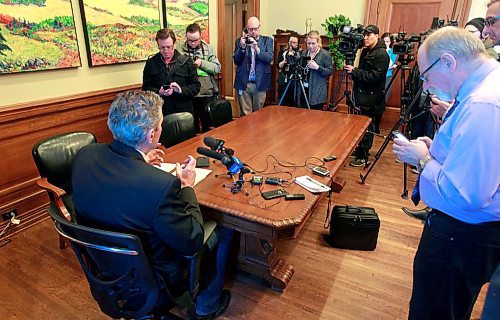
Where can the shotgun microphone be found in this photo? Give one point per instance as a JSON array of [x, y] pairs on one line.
[[214, 155]]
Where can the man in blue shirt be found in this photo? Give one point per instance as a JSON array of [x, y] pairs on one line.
[[460, 176]]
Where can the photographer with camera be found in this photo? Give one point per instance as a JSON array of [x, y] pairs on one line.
[[207, 65], [369, 85], [291, 52], [318, 68], [252, 56]]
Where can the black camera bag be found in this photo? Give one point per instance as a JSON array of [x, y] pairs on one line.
[[353, 228]]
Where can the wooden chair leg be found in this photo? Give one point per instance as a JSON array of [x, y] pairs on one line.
[[62, 242]]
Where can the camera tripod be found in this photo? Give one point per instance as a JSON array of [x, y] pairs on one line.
[[351, 105], [295, 77], [406, 109]]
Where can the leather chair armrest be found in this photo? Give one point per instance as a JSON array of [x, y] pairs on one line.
[[55, 191], [57, 194]]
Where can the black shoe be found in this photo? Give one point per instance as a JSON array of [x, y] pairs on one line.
[[357, 163], [418, 214], [225, 298]]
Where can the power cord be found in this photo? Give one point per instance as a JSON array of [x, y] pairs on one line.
[[12, 221]]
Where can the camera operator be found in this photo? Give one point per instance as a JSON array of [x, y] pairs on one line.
[[253, 54], [207, 65], [285, 53], [369, 85], [319, 67]]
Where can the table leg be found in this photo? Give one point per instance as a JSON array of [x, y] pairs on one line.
[[259, 257]]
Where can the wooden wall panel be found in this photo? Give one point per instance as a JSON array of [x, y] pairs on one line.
[[22, 125]]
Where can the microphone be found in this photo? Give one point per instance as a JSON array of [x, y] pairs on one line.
[[217, 145], [232, 163], [214, 155], [214, 144]]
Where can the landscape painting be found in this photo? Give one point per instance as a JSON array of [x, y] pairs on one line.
[[181, 13], [37, 35], [119, 31]]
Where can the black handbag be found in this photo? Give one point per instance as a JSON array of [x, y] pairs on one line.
[[353, 228]]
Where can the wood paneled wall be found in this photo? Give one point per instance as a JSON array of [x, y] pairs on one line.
[[22, 125]]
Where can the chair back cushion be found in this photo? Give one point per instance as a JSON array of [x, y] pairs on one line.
[[123, 284], [54, 156], [177, 127], [220, 112]]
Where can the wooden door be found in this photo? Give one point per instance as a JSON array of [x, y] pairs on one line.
[[410, 16]]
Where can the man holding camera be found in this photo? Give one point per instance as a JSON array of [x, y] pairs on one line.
[[252, 56], [369, 86], [207, 65], [459, 177], [292, 51], [171, 75]]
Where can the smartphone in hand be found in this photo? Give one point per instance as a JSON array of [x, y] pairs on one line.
[[400, 136]]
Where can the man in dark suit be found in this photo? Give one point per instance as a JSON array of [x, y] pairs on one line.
[[252, 56], [117, 187], [172, 75]]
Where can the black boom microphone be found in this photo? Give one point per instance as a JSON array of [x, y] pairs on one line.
[[217, 145], [214, 155], [214, 144]]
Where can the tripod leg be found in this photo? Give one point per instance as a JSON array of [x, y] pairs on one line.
[[304, 93], [284, 92]]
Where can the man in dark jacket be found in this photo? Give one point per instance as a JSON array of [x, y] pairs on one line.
[[171, 75], [369, 86], [116, 187]]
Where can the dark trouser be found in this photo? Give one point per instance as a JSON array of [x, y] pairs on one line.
[[454, 260], [200, 113], [366, 143]]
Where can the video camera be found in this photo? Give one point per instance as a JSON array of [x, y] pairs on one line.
[[351, 41], [405, 45], [297, 62]]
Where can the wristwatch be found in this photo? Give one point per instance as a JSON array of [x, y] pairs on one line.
[[422, 163]]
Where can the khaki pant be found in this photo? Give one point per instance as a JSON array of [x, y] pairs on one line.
[[250, 99]]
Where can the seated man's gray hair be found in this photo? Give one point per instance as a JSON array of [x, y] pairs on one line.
[[133, 114]]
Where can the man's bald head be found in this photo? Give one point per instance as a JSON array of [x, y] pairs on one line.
[[253, 26]]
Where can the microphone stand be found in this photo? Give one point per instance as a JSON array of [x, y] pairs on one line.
[[238, 185]]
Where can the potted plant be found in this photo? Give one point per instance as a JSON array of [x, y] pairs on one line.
[[333, 27]]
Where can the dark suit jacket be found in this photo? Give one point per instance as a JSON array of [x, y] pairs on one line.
[[115, 189], [181, 70], [242, 59]]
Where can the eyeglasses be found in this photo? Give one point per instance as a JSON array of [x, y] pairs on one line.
[[490, 21], [253, 29], [193, 40], [422, 75]]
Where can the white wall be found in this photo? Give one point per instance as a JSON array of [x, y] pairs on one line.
[[32, 86], [477, 9], [292, 14]]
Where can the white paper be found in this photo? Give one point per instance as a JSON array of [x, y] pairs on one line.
[[311, 185], [200, 173]]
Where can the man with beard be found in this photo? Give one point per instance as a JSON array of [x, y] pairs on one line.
[[459, 177], [207, 65]]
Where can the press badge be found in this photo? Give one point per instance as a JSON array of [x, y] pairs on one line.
[[306, 84]]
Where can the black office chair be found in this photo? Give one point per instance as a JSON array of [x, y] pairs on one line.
[[220, 112], [177, 127], [54, 159], [120, 277]]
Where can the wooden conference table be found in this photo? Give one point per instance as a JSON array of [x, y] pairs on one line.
[[290, 135]]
